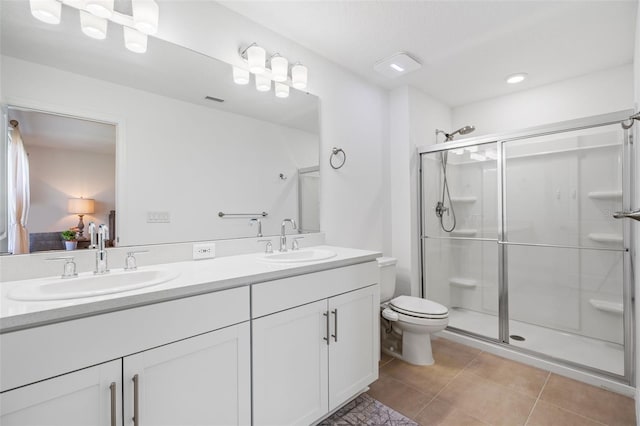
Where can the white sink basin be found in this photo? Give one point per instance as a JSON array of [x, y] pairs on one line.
[[91, 285], [295, 256]]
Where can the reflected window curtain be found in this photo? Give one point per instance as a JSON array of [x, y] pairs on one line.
[[18, 193]]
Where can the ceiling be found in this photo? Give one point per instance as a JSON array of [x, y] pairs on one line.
[[467, 48], [62, 132]]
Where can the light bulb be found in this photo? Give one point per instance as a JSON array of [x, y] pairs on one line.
[[134, 40], [299, 76], [100, 8], [263, 84], [145, 16], [256, 56], [46, 10], [282, 90], [240, 76], [279, 68], [93, 26], [516, 78]]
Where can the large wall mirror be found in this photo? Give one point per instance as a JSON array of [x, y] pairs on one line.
[[162, 142]]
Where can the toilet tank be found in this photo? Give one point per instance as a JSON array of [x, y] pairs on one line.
[[387, 266]]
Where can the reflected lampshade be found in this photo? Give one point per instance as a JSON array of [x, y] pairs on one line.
[[81, 205], [145, 16], [100, 8], [279, 68], [93, 26], [299, 76], [134, 40]]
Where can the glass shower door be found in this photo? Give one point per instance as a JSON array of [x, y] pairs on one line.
[[460, 246], [564, 252]]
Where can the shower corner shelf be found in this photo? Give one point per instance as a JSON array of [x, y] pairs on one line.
[[464, 199], [605, 238], [605, 195], [465, 283], [603, 305], [464, 232]]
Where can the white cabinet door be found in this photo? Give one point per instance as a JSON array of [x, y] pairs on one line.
[[290, 366], [353, 359], [202, 380], [81, 398]]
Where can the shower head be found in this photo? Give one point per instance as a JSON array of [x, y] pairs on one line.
[[462, 131]]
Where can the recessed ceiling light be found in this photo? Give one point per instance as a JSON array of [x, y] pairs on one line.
[[516, 78], [397, 65]]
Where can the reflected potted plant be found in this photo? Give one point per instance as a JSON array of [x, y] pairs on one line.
[[70, 239]]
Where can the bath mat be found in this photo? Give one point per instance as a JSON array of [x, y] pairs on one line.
[[365, 410]]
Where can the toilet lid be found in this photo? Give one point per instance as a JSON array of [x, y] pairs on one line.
[[418, 307]]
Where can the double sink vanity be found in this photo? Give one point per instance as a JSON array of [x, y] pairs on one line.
[[263, 339]]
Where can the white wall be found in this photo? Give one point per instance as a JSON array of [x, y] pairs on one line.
[[353, 117], [592, 94], [190, 171], [413, 117], [59, 174]]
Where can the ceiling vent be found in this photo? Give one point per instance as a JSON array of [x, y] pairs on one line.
[[397, 65]]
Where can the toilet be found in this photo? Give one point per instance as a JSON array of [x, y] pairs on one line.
[[407, 322]]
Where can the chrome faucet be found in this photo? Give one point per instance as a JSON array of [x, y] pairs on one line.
[[92, 233], [283, 237], [259, 222], [102, 266]]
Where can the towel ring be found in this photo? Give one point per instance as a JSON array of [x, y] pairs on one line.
[[334, 154]]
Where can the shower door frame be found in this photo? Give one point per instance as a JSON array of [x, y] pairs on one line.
[[628, 193]]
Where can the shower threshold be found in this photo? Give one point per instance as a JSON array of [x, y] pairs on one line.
[[582, 350]]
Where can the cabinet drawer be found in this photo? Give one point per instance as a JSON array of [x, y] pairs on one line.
[[278, 295], [38, 353]]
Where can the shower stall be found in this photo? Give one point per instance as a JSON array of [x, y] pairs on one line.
[[518, 239]]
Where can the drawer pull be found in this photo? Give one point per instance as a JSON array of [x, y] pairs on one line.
[[112, 389], [326, 339], [136, 405], [335, 325]]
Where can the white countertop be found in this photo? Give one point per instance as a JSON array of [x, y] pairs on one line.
[[195, 277]]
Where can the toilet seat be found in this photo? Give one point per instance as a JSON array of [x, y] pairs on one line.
[[418, 308]]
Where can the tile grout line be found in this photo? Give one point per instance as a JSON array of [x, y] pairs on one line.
[[537, 398], [448, 383]]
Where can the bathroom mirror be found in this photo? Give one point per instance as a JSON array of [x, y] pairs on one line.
[[189, 143]]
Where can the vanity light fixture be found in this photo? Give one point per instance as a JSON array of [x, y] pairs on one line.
[[256, 56], [282, 90], [134, 40], [100, 8], [277, 70], [48, 11], [95, 14], [240, 76], [516, 78], [93, 26], [263, 84], [299, 76], [145, 16]]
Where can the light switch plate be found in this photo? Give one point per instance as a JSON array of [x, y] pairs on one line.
[[204, 251]]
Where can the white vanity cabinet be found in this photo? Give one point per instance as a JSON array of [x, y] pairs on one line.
[[315, 343], [186, 374], [91, 396]]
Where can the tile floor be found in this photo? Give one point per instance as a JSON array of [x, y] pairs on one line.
[[466, 386]]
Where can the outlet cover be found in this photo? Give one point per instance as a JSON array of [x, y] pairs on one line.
[[204, 251], [158, 217]]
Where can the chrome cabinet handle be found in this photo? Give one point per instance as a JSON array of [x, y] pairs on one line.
[[335, 325], [136, 405], [112, 389], [631, 215], [326, 339]]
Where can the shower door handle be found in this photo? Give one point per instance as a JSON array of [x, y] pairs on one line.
[[631, 215]]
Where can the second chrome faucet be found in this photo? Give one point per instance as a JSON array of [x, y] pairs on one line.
[[283, 236], [101, 235]]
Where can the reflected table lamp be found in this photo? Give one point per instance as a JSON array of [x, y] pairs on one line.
[[81, 206]]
